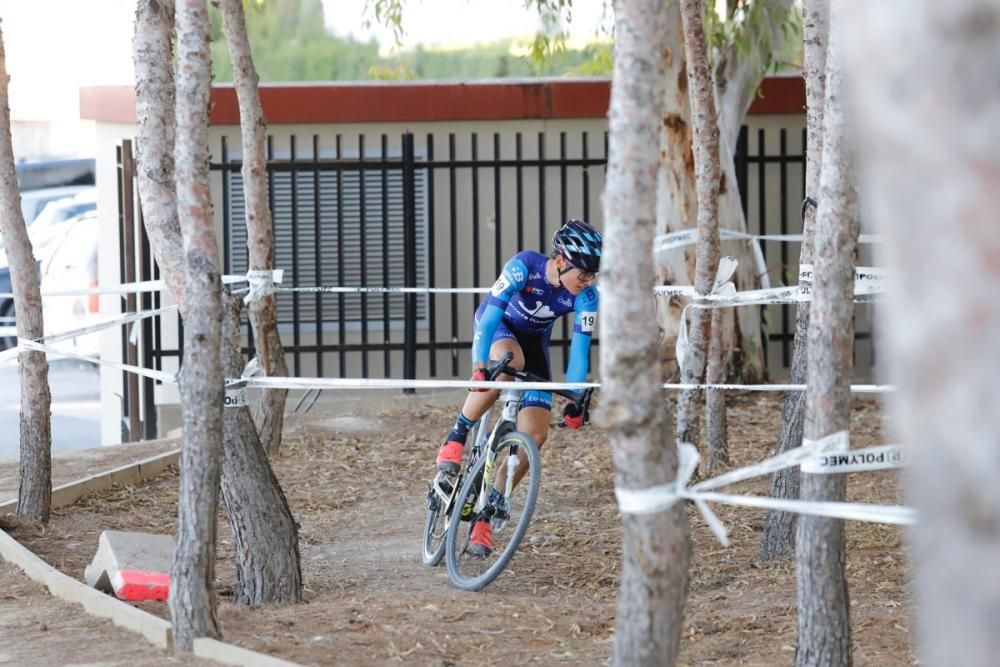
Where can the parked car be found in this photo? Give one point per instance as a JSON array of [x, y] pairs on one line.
[[72, 264], [55, 172], [45, 231], [33, 201]]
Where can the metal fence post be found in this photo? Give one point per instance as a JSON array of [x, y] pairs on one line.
[[409, 260], [128, 242]]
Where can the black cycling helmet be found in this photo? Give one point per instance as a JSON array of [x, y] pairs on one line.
[[580, 244]]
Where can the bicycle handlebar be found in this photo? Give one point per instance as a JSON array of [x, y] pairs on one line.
[[498, 368]]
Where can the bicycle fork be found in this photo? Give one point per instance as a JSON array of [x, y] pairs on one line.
[[512, 399]]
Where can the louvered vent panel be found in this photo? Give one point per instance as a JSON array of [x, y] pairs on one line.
[[343, 240]]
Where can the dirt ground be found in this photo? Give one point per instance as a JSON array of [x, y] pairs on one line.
[[356, 485]]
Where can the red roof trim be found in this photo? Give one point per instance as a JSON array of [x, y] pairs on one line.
[[420, 102]]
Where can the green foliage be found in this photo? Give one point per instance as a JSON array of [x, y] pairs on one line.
[[746, 27], [290, 43]]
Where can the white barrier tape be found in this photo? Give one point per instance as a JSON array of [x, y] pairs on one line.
[[390, 383], [385, 290], [126, 288], [664, 496], [867, 280], [658, 498], [810, 449], [686, 237], [236, 398], [892, 514], [774, 295], [262, 283], [168, 378], [721, 288], [882, 457], [125, 318]]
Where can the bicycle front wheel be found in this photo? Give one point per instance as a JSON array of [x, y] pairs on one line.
[[508, 518], [440, 496]]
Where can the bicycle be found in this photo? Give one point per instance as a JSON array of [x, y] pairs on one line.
[[497, 450]]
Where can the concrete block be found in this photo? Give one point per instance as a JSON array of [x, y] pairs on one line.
[[133, 566]]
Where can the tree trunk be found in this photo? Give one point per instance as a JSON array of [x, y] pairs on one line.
[[152, 55], [656, 546], [265, 534], [706, 164], [715, 399], [824, 625], [192, 575], [34, 498], [778, 539], [932, 155], [737, 79], [260, 234]]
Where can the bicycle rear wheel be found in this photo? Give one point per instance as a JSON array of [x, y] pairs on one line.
[[509, 521]]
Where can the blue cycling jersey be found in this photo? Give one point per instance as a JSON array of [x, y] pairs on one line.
[[525, 301]]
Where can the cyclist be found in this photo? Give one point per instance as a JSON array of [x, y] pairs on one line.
[[532, 292]]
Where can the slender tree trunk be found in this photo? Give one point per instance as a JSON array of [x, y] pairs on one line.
[[932, 156], [34, 498], [260, 234], [778, 538], [152, 55], [706, 163], [265, 534], [279, 540], [192, 575], [823, 603], [715, 399], [656, 546]]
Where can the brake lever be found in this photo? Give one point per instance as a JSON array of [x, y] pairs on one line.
[[497, 369]]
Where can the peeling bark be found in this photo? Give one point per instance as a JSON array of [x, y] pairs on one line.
[[260, 233], [737, 80], [656, 546], [34, 496]]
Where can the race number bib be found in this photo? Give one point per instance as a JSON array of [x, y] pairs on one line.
[[587, 322], [500, 286]]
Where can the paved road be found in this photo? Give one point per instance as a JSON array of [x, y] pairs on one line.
[[76, 411]]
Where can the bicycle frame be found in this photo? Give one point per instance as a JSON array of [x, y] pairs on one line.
[[484, 445]]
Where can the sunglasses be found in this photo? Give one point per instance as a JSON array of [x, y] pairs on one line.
[[587, 276]]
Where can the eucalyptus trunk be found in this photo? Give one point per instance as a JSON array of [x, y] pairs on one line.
[[265, 534], [656, 546], [260, 233], [778, 538], [824, 625], [737, 77], [34, 497], [932, 156], [706, 165], [192, 574], [152, 55]]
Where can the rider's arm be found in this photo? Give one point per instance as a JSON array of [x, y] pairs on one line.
[[585, 306], [512, 279]]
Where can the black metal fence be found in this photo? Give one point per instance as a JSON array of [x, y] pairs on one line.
[[409, 212]]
